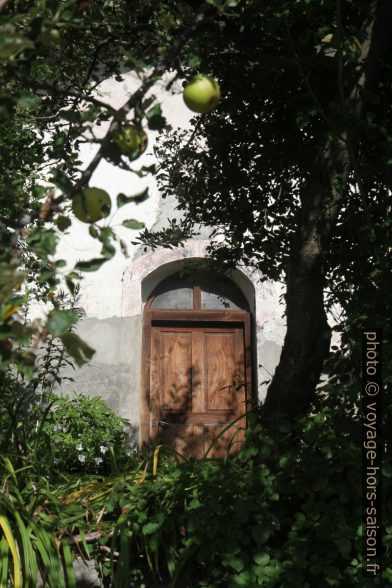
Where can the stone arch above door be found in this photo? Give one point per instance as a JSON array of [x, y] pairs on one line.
[[147, 270]]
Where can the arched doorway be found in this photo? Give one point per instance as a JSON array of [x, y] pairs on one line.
[[196, 372]]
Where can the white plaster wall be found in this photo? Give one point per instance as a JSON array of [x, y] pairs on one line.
[[113, 297], [101, 292]]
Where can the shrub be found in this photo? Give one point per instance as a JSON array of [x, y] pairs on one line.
[[82, 434]]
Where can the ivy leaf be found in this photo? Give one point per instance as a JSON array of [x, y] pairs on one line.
[[60, 321], [133, 224], [77, 348], [244, 579], [261, 533], [261, 559], [136, 198], [91, 265]]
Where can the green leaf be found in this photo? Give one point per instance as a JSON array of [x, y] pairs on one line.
[[244, 579], [234, 562], [133, 224], [11, 43], [60, 321], [63, 222], [28, 101], [62, 181], [91, 265], [261, 559], [154, 111], [136, 198], [261, 533], [77, 348], [150, 528], [69, 280], [108, 250], [93, 232], [155, 120], [42, 241]]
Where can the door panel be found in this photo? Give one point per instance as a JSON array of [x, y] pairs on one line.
[[185, 439], [220, 363], [197, 387], [175, 370], [217, 442]]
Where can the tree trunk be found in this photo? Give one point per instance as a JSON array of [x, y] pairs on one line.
[[307, 340], [308, 334]]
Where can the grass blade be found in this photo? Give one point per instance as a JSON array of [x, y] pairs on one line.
[[4, 551], [4, 524]]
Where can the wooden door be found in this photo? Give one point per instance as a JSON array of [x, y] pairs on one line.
[[197, 387]]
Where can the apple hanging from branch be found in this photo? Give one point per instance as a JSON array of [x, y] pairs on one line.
[[132, 141], [202, 93], [91, 205]]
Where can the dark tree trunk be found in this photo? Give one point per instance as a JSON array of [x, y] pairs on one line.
[[307, 340], [308, 334]]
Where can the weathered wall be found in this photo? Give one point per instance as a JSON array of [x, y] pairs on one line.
[[113, 297], [115, 369]]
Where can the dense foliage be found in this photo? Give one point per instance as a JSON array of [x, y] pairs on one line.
[[293, 171], [284, 512]]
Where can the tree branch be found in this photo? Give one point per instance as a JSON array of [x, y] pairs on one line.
[[163, 65]]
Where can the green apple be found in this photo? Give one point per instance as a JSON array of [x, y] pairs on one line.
[[132, 141], [91, 204], [202, 93]]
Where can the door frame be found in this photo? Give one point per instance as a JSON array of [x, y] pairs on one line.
[[151, 316]]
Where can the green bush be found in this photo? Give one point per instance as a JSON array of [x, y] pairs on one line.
[[286, 512], [82, 434]]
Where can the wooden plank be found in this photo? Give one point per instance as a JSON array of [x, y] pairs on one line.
[[198, 372], [186, 439], [196, 298], [172, 418], [221, 443], [198, 315], [154, 380], [175, 370], [240, 371], [251, 391], [220, 368]]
